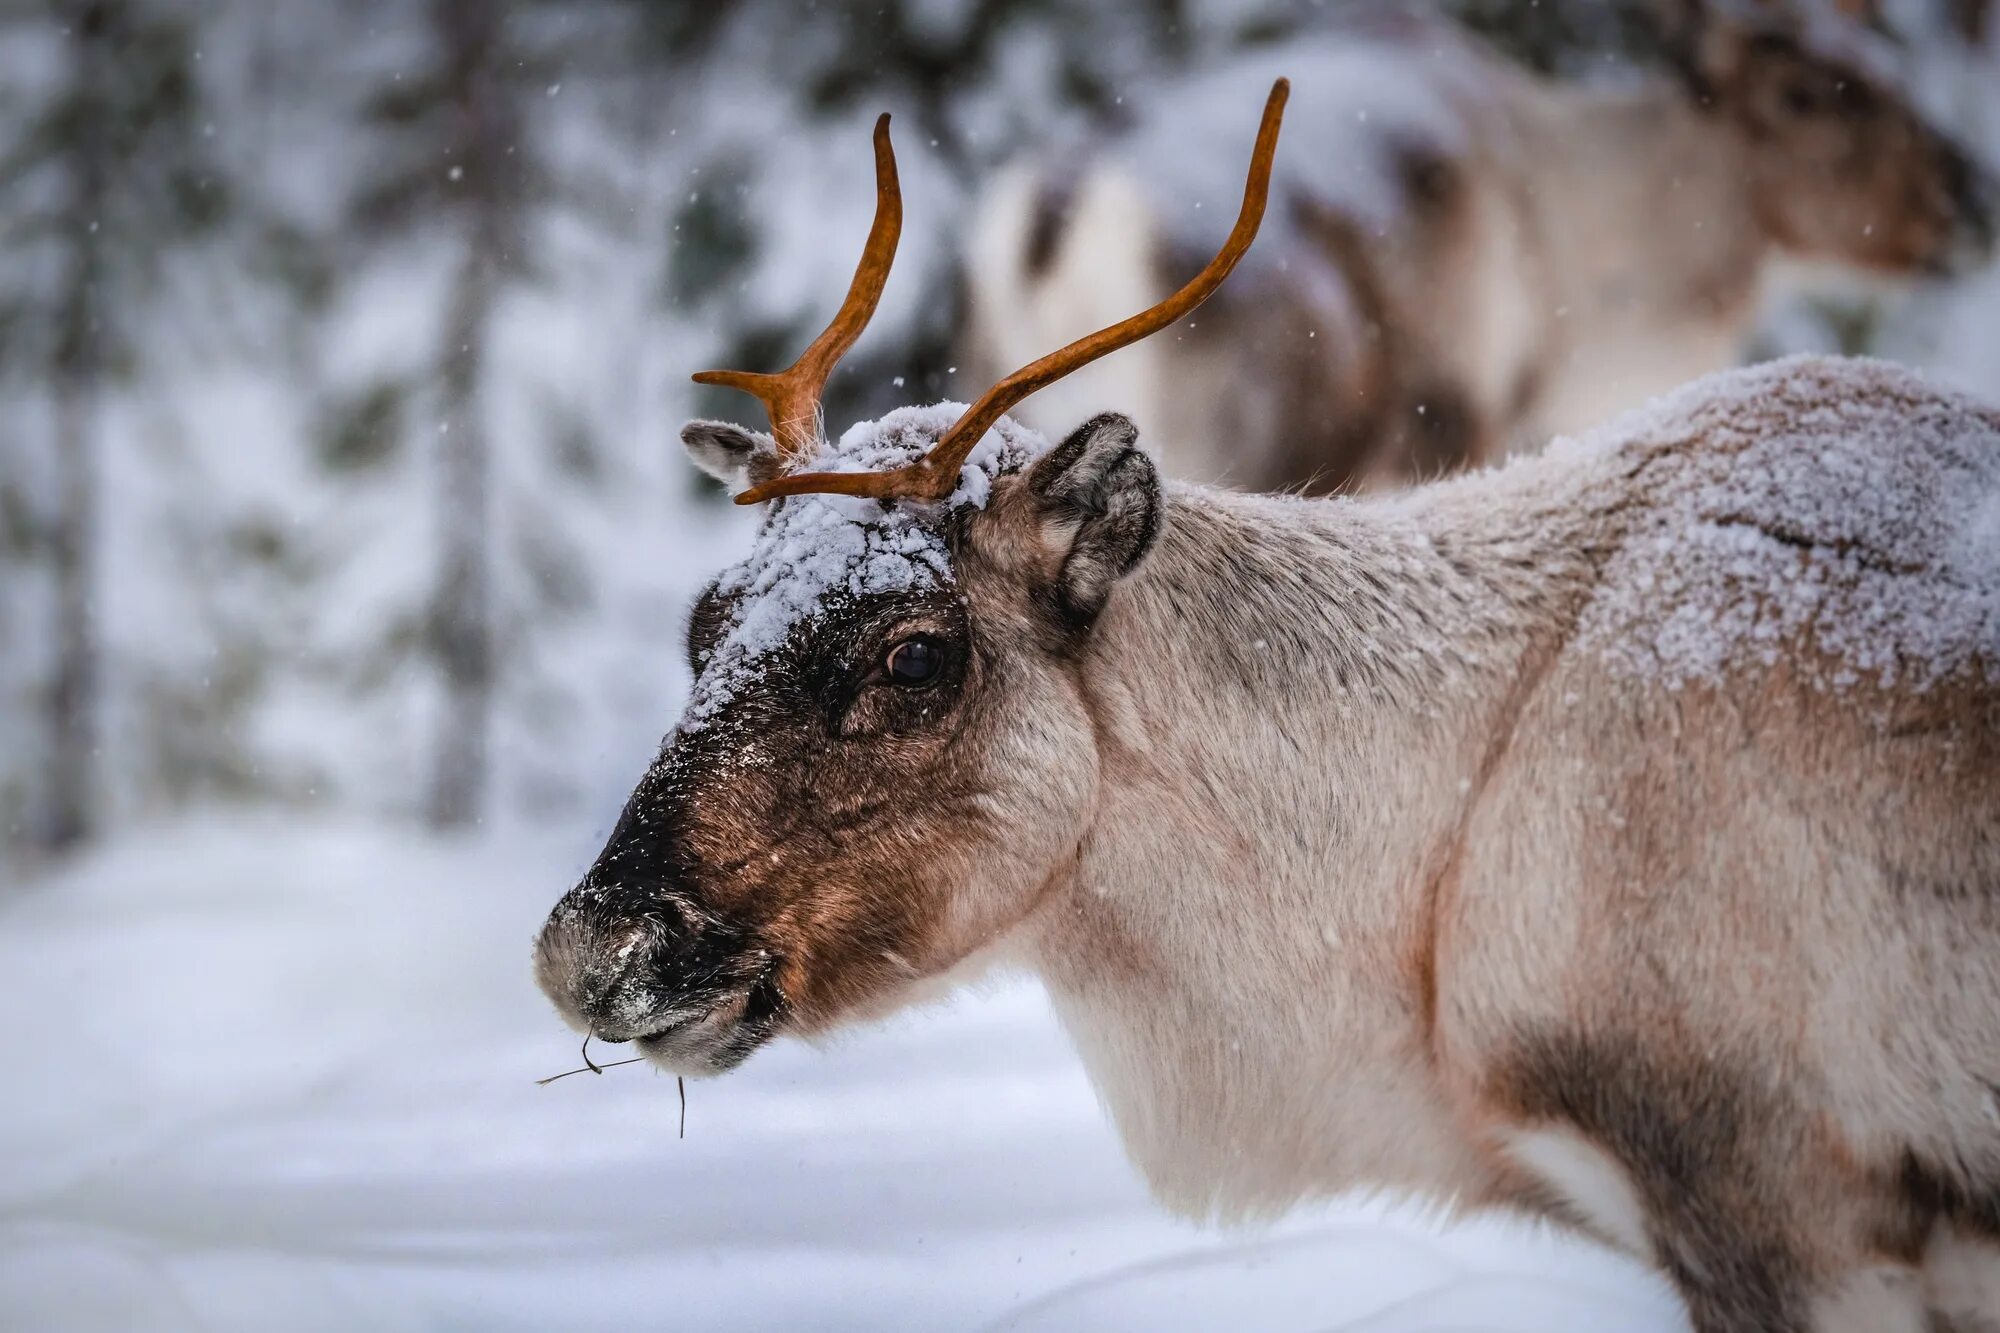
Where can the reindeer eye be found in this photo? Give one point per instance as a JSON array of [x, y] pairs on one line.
[[1804, 99], [913, 662]]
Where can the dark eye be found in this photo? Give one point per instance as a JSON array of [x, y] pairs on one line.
[[913, 662], [1804, 99]]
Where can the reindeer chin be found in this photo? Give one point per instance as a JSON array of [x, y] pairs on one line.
[[721, 1039]]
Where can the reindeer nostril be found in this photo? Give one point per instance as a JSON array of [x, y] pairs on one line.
[[623, 968], [622, 962], [628, 983]]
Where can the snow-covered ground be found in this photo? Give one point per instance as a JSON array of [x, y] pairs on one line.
[[280, 1075]]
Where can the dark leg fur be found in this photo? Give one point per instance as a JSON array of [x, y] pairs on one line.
[[1717, 1219]]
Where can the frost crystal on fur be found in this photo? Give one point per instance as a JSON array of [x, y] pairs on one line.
[[1844, 505], [812, 546]]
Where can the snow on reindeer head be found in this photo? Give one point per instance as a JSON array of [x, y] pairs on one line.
[[886, 755]]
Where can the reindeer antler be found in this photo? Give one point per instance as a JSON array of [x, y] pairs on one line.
[[934, 476], [791, 396]]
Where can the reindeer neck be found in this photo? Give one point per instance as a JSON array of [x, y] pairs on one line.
[[1294, 701]]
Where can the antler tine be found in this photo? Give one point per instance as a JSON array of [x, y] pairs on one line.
[[934, 476], [791, 396]]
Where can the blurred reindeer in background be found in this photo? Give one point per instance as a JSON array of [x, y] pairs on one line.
[[1464, 258]]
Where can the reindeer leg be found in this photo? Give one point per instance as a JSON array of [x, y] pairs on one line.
[[1697, 1166], [1962, 1280]]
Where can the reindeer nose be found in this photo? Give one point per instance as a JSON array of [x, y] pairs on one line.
[[611, 973]]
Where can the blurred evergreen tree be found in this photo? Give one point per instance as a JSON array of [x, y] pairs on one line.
[[455, 159], [101, 186]]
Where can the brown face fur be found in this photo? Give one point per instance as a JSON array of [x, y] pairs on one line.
[[1841, 167], [833, 835]]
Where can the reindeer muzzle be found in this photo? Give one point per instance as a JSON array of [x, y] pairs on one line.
[[650, 965]]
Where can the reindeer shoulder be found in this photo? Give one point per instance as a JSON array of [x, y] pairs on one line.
[[1850, 507]]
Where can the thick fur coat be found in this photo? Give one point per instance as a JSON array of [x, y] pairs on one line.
[[1614, 835]]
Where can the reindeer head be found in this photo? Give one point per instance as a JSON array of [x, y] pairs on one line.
[[886, 759], [1841, 165]]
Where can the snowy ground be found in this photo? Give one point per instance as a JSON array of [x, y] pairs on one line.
[[266, 1075]]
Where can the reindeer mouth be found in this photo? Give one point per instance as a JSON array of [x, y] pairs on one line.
[[720, 1038]]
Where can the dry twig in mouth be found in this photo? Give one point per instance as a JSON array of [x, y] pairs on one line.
[[592, 1067], [587, 1069]]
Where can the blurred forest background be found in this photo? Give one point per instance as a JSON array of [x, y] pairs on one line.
[[343, 348]]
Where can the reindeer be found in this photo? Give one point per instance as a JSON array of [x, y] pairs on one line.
[[1613, 836], [1465, 258]]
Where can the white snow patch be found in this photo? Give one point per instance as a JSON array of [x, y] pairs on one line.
[[814, 546], [1846, 507]]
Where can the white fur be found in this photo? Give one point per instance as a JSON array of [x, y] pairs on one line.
[[1962, 1279], [1102, 273], [1876, 1300], [1586, 1177]]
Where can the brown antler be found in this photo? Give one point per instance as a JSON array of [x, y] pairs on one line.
[[934, 476], [791, 397]]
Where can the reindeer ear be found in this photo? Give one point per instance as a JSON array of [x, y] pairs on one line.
[[1100, 505], [733, 456]]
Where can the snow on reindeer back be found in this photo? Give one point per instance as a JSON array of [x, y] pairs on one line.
[[812, 547], [1849, 507]]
